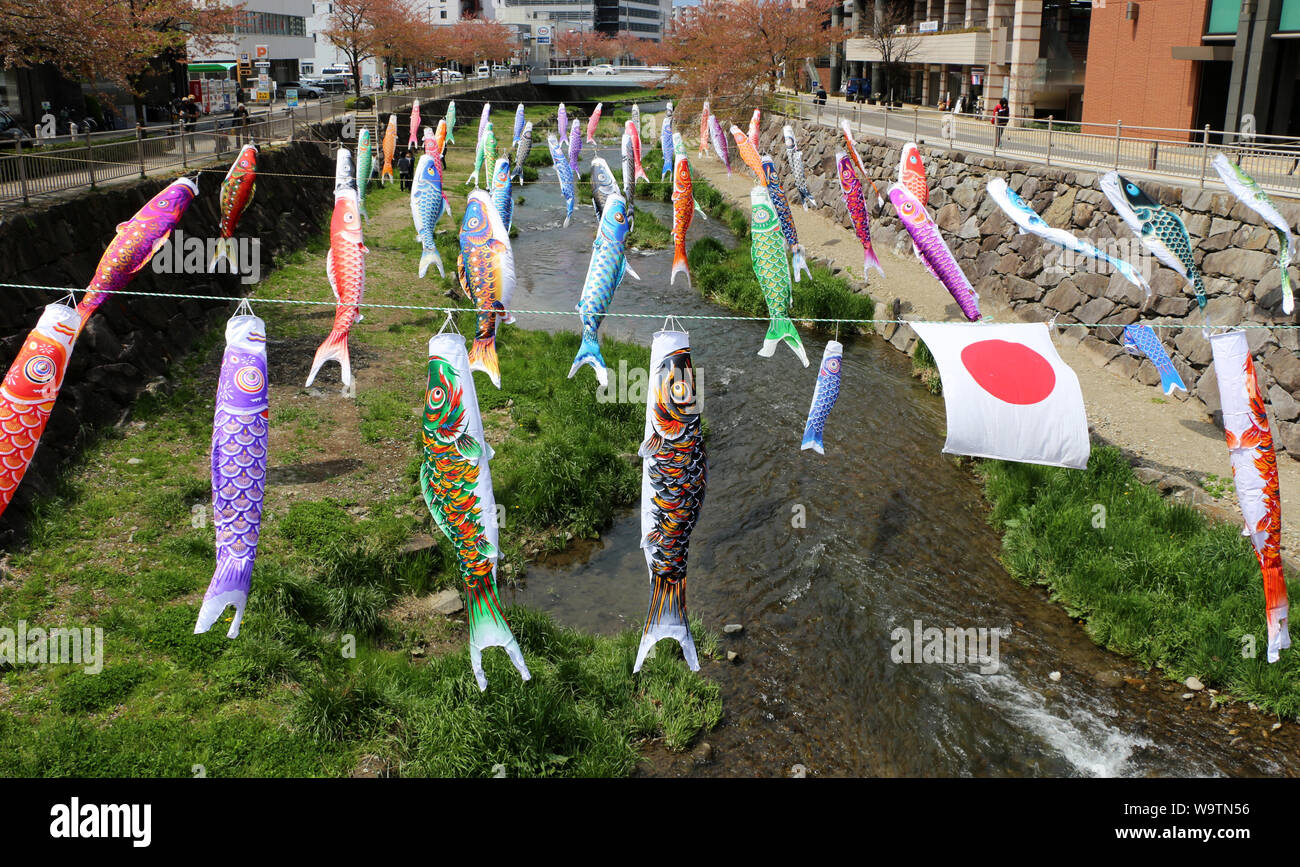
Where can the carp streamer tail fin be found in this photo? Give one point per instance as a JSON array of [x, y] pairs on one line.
[[430, 257], [335, 348], [680, 266], [783, 329], [487, 628], [483, 356], [869, 261], [589, 353], [229, 586], [1170, 381], [812, 439], [222, 250], [799, 262], [666, 618]]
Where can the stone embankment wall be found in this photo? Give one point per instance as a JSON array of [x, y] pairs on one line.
[[131, 341], [1235, 251]]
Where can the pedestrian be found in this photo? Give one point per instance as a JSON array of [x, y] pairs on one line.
[[821, 95], [239, 119], [1001, 117], [406, 170]]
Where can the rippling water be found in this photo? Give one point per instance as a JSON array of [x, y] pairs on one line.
[[894, 532]]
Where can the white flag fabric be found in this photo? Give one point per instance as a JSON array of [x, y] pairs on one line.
[[1008, 394]]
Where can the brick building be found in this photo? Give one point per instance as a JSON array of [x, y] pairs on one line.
[[1183, 64]]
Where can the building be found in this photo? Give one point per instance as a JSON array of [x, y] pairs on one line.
[[272, 32], [1032, 52], [647, 19], [1178, 65], [538, 22]]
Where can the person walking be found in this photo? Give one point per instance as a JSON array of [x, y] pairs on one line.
[[406, 170], [239, 119], [1001, 117]]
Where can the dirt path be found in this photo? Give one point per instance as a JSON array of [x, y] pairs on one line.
[[1173, 437]]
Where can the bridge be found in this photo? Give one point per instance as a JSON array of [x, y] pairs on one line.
[[603, 77]]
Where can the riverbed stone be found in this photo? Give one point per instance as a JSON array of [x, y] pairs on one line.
[[1094, 310], [1193, 345], [949, 217], [1237, 264], [1284, 406], [1098, 352], [1059, 211], [1285, 368]]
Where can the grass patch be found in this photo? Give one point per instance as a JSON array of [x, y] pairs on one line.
[[1157, 582], [648, 233]]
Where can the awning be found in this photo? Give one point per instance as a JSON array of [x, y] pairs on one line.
[[1202, 52]]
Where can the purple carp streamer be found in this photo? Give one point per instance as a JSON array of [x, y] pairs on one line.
[[674, 471], [934, 252], [240, 428]]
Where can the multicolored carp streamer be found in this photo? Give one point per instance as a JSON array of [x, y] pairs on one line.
[[236, 194], [628, 167], [593, 122], [345, 266], [480, 155], [666, 141], [674, 473], [604, 274], [1160, 230], [426, 209], [852, 145], [136, 242], [522, 148], [704, 129], [1254, 472], [440, 138], [240, 427], [562, 122], [603, 185], [484, 119], [451, 121], [390, 149], [29, 391], [794, 156], [1140, 339], [935, 253], [719, 140], [684, 208], [636, 124], [1244, 187], [564, 174], [798, 262], [824, 395], [575, 147], [767, 250], [488, 264], [1027, 220], [430, 145], [747, 151], [519, 125], [634, 132], [501, 198], [851, 189], [456, 484], [911, 173], [365, 164], [415, 123]]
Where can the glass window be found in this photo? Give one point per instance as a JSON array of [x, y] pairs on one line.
[[1223, 17], [1290, 22]]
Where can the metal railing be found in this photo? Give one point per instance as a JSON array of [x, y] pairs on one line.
[[1178, 155], [66, 163]]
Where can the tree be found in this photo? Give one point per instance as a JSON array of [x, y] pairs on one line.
[[581, 46], [476, 40], [886, 35], [362, 29], [109, 40], [729, 50]]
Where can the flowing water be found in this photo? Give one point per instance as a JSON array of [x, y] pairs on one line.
[[892, 532]]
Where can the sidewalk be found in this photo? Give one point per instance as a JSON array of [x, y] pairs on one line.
[[1171, 439]]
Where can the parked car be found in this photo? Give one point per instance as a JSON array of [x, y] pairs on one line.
[[306, 90], [11, 130], [500, 69], [334, 83], [484, 71], [424, 75], [856, 89], [401, 78], [600, 69], [450, 74]]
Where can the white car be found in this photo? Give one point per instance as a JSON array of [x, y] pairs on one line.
[[484, 71], [448, 74], [600, 69]]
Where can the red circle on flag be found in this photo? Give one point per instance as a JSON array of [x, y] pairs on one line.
[[1009, 371]]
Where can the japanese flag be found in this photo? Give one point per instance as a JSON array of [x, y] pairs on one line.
[[1008, 394]]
